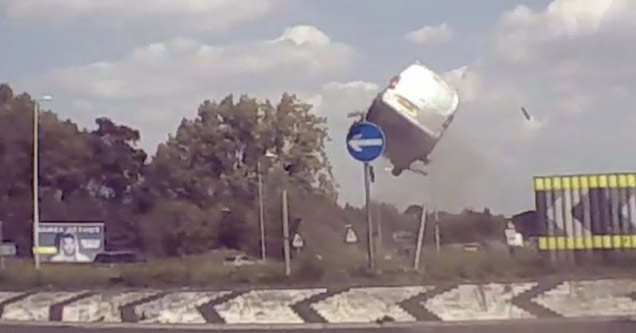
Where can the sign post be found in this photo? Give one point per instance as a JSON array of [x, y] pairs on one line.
[[420, 239], [365, 143]]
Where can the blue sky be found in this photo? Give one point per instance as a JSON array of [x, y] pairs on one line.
[[149, 63]]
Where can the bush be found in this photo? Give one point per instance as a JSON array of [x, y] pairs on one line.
[[309, 269], [153, 275], [24, 275], [491, 262]]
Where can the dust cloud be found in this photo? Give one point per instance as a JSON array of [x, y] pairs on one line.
[[455, 166]]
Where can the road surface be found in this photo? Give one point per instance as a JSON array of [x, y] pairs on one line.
[[529, 326]]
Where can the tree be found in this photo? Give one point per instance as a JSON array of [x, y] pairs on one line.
[[199, 191], [212, 160], [65, 157], [84, 176], [118, 164], [16, 112], [177, 228]]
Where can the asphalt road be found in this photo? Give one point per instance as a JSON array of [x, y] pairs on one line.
[[533, 326]]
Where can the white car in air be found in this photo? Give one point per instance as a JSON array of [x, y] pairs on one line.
[[414, 111]]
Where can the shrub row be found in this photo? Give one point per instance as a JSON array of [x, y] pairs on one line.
[[452, 265]]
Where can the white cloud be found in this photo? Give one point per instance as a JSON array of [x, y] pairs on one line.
[[571, 66], [154, 86], [178, 16], [430, 34]]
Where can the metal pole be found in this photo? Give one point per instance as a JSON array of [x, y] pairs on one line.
[[420, 239], [2, 263], [286, 234], [367, 191], [36, 186], [261, 217], [378, 218], [435, 211]]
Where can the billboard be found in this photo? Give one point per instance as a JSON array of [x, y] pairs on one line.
[[70, 242], [586, 212]]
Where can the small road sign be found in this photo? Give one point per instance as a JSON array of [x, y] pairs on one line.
[[365, 141], [298, 242], [404, 237], [8, 249], [350, 235]]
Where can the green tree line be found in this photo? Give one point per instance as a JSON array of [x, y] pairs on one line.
[[196, 193]]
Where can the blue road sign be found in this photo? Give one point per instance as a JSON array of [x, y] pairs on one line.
[[365, 141]]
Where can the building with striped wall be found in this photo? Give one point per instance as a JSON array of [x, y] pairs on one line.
[[586, 212]]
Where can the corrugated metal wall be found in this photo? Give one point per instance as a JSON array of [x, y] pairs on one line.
[[586, 212]]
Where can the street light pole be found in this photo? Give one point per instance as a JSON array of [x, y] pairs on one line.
[[261, 213], [36, 186], [36, 181]]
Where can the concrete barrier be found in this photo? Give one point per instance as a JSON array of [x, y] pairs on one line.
[[452, 303]]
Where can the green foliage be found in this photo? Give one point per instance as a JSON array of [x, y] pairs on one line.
[[177, 228], [198, 191]]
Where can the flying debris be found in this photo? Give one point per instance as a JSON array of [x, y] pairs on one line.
[[525, 113]]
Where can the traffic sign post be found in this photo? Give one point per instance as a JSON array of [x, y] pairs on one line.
[[367, 193], [365, 143]]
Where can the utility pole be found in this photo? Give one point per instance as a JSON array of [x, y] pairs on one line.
[[420, 238], [261, 217], [433, 202], [378, 218], [286, 235]]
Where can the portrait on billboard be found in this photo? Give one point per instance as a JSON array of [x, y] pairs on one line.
[[68, 249], [64, 242]]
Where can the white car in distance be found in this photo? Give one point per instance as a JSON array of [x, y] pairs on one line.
[[238, 260]]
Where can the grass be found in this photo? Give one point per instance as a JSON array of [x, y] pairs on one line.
[[453, 264]]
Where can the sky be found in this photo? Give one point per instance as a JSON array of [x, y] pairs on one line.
[[150, 63]]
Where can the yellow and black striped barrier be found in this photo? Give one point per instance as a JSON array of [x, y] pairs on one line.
[[586, 212]]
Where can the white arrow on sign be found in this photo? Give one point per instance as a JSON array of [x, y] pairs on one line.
[[356, 143]]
